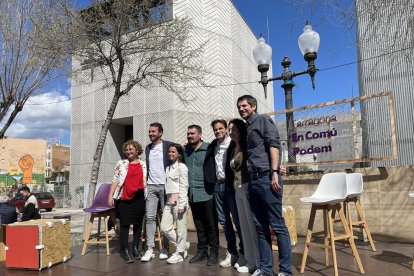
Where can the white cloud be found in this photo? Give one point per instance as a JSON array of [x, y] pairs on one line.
[[46, 116]]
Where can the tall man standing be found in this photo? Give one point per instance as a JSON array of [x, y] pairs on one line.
[[218, 173], [201, 199], [265, 186], [157, 160]]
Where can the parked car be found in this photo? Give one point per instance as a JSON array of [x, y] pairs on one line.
[[44, 199]]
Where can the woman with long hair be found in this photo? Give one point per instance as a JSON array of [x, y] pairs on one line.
[[127, 194], [238, 163], [175, 210]]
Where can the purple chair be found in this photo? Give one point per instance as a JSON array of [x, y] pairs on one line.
[[100, 209]]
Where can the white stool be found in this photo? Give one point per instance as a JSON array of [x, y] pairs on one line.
[[330, 193], [355, 186]]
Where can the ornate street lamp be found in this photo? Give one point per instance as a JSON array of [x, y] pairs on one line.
[[308, 42]]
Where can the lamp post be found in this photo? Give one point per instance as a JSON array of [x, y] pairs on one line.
[[309, 44]]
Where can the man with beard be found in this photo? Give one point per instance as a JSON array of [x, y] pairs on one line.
[[157, 160], [265, 187], [201, 198]]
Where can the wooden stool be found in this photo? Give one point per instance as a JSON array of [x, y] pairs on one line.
[[329, 237], [100, 209], [362, 223], [412, 195], [96, 238], [355, 187], [329, 195]]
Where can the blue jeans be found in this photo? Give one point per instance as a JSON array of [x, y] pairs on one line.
[[225, 200], [266, 205]]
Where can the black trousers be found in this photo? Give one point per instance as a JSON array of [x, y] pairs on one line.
[[131, 212], [205, 222], [124, 234]]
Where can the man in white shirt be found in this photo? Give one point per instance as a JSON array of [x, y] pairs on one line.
[[217, 172], [157, 160]]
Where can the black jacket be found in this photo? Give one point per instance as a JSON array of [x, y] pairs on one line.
[[165, 147], [209, 166]]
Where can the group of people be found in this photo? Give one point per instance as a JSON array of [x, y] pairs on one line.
[[234, 180]]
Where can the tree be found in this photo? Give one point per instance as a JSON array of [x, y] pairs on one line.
[[33, 45], [134, 44]]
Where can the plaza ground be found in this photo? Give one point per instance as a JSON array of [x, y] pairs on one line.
[[390, 259]]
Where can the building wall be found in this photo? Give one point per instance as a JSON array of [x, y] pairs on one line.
[[60, 156], [391, 72], [228, 56], [22, 161]]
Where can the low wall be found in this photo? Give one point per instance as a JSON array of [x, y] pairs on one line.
[[388, 208]]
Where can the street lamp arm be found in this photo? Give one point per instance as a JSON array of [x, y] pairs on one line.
[[276, 78], [287, 75], [294, 74]]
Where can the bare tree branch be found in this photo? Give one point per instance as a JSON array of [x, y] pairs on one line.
[[33, 45]]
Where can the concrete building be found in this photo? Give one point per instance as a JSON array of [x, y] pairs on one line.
[[228, 55], [57, 163], [391, 71]]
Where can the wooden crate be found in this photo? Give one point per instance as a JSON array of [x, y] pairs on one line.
[[37, 244], [2, 243], [290, 220]]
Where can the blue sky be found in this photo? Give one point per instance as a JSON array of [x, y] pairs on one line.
[[285, 23], [337, 47]]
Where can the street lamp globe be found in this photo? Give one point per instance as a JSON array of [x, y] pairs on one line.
[[309, 40], [262, 55]]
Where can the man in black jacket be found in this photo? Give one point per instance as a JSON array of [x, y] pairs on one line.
[[31, 208], [217, 172]]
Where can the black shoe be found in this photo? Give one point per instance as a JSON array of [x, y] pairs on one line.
[[212, 260], [126, 256], [234, 258], [136, 253], [200, 256]]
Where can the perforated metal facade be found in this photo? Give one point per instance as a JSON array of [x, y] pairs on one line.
[[228, 55], [389, 71]]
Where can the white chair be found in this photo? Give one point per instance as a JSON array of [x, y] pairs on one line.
[[355, 186], [330, 193], [412, 195]]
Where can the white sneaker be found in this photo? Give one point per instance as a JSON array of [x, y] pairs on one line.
[[257, 272], [163, 254], [227, 261], [240, 262], [149, 254], [243, 269], [247, 268], [175, 258]]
